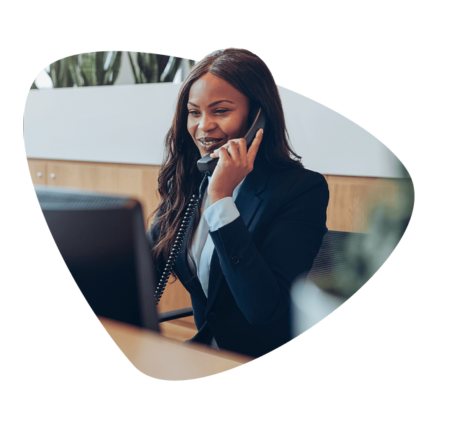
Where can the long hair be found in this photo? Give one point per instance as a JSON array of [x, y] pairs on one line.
[[179, 176]]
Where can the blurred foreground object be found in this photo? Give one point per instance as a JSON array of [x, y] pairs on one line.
[[346, 260]]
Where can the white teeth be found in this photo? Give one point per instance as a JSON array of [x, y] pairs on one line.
[[209, 143]]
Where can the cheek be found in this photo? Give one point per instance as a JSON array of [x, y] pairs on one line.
[[191, 128], [244, 127], [239, 129]]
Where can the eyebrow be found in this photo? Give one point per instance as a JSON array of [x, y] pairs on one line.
[[212, 104]]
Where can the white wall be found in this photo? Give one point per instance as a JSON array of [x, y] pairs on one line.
[[331, 144], [124, 123], [127, 124]]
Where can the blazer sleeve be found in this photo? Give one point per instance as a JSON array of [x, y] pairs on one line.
[[260, 277]]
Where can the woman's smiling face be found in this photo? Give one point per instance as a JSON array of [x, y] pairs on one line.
[[217, 113]]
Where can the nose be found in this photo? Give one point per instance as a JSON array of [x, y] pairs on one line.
[[206, 123]]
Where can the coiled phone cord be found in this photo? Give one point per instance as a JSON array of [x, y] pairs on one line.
[[188, 215]]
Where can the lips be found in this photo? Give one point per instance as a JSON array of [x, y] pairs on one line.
[[210, 143]]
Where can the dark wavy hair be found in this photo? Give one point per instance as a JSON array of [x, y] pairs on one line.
[[179, 176]]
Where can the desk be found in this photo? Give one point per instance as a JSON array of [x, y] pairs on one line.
[[167, 359]]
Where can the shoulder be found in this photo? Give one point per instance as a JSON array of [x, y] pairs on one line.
[[298, 194], [296, 180]]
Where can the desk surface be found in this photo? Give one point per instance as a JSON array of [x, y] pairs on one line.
[[167, 359]]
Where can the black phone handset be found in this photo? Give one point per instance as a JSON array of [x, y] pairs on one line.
[[206, 165]]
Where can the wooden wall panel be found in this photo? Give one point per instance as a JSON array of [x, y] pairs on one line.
[[351, 200], [38, 171], [138, 181]]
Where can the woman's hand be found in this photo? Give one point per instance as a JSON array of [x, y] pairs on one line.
[[235, 162]]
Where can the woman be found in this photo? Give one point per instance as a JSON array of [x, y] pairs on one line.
[[262, 218]]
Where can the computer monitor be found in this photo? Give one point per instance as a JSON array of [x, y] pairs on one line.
[[102, 239]]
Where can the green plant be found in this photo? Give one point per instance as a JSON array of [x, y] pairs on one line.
[[153, 68], [60, 74], [88, 69], [95, 68]]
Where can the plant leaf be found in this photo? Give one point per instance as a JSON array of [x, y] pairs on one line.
[[114, 67], [136, 80], [174, 66]]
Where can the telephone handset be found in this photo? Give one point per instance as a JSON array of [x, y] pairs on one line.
[[206, 165]]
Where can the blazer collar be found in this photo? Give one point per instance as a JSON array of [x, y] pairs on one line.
[[247, 203]]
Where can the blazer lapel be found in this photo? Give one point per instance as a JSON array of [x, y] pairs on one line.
[[247, 203]]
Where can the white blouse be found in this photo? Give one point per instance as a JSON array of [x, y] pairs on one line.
[[213, 217]]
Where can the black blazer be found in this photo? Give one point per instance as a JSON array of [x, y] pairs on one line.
[[256, 259]]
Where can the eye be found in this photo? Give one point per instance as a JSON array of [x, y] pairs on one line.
[[221, 110], [193, 112]]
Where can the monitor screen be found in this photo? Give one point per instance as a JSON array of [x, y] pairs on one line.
[[103, 242]]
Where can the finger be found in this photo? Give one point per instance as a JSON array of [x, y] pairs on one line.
[[258, 138], [215, 153], [235, 153], [242, 146], [237, 141], [226, 146], [242, 143], [233, 147], [253, 149], [224, 156]]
